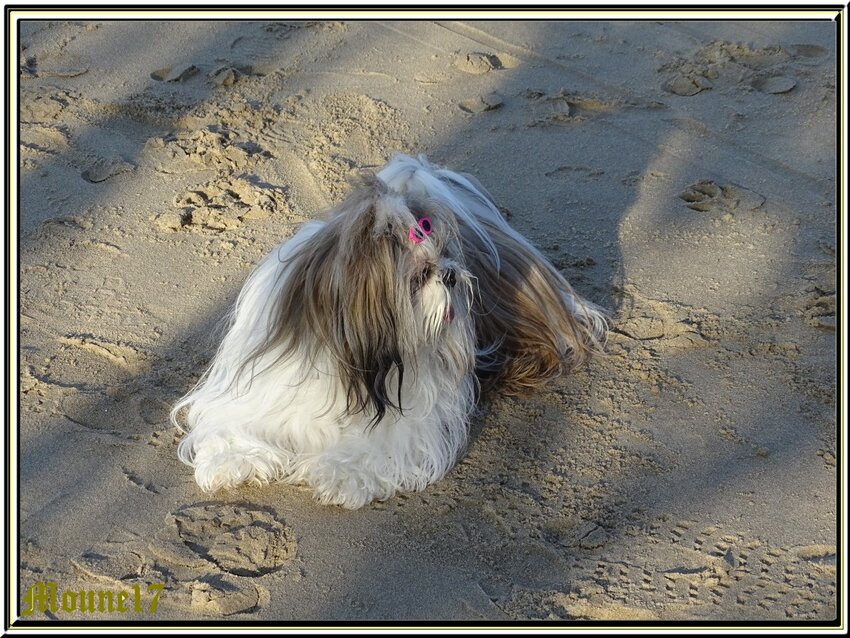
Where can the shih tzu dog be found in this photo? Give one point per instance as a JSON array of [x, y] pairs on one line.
[[357, 349]]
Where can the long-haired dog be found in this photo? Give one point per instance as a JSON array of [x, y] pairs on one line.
[[357, 349]]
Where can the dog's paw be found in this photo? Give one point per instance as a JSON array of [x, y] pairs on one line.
[[230, 467], [348, 486]]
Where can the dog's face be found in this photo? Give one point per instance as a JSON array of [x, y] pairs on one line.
[[381, 285]]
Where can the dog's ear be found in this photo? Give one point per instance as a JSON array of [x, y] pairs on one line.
[[373, 307], [342, 299], [369, 307], [529, 322], [372, 356]]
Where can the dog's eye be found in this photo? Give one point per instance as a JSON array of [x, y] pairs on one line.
[[421, 277]]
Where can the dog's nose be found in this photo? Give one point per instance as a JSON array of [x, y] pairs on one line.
[[449, 277]]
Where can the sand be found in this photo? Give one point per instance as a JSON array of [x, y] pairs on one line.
[[681, 174]]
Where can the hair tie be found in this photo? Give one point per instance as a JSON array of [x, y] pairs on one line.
[[418, 233]]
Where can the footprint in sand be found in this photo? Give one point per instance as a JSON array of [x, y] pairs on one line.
[[703, 567], [481, 103], [104, 168], [571, 172], [175, 74], [216, 148], [44, 104], [477, 63], [818, 307], [207, 556], [224, 596], [565, 107], [774, 84], [687, 85], [651, 321], [37, 140], [240, 540], [730, 66], [811, 52], [225, 76], [224, 204], [707, 196]]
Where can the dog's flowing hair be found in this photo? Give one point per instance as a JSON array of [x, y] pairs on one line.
[[356, 350]]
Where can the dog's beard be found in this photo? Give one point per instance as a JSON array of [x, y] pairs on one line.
[[351, 357], [434, 306]]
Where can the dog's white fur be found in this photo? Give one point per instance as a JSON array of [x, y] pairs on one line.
[[287, 395]]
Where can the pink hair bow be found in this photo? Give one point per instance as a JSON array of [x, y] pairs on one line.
[[419, 232]]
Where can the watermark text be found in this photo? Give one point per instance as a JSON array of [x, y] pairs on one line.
[[46, 597]]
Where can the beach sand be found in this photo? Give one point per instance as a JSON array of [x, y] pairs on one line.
[[680, 174]]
